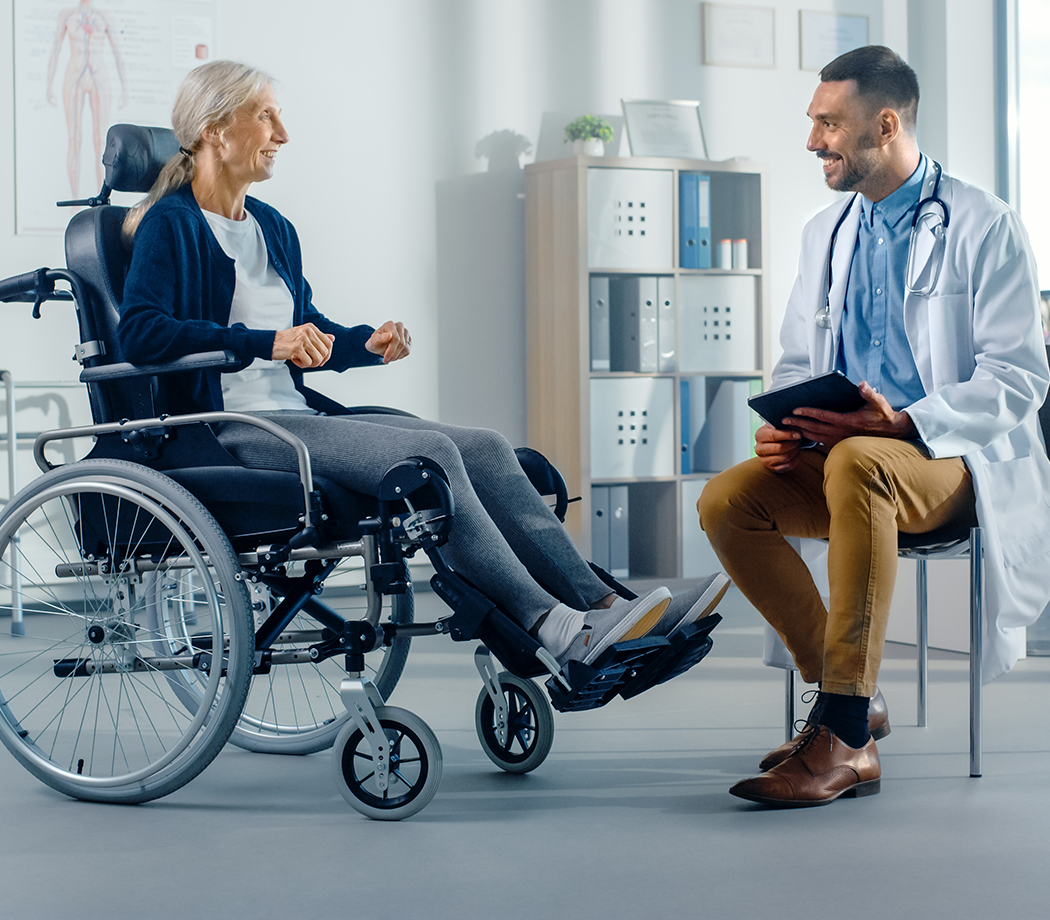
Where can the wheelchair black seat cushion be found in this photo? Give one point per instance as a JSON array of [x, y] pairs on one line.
[[257, 506]]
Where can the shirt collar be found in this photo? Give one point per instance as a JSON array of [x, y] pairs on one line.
[[895, 205]]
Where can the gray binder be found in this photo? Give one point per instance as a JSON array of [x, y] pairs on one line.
[[633, 325], [619, 548], [600, 526], [599, 323]]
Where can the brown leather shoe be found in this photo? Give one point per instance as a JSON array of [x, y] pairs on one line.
[[878, 726], [820, 769]]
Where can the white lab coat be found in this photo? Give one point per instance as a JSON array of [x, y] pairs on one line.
[[979, 348]]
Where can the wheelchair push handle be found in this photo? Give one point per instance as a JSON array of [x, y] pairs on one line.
[[37, 286]]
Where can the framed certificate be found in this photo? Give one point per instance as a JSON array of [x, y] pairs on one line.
[[824, 36], [664, 129], [738, 36]]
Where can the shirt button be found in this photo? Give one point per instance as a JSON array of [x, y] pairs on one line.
[[877, 343], [878, 290], [881, 241]]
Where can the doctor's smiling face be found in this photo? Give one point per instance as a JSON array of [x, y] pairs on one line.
[[848, 138]]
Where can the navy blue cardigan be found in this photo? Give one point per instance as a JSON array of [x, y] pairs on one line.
[[178, 294]]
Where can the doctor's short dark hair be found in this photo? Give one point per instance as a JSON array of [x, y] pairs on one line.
[[883, 79]]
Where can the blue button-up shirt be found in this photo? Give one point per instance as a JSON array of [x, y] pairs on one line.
[[873, 345]]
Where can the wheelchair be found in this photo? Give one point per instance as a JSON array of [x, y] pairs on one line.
[[164, 599]]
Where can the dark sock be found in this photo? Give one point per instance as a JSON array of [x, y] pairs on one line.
[[846, 716]]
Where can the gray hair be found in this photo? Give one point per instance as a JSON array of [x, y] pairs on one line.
[[209, 97]]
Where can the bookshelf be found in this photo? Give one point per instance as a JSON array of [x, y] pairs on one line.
[[638, 404]]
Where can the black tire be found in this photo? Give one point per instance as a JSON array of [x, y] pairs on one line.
[[530, 728], [89, 699], [414, 756]]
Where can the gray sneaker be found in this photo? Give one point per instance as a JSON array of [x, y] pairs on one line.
[[692, 605], [620, 623]]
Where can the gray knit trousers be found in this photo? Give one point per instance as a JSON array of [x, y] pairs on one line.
[[504, 538]]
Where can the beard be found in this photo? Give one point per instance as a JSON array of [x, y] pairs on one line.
[[863, 162]]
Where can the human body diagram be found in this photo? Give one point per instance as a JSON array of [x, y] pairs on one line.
[[86, 79]]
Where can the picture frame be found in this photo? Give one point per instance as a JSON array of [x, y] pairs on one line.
[[824, 36], [664, 128], [738, 36]]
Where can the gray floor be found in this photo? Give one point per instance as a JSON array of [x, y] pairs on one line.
[[628, 817]]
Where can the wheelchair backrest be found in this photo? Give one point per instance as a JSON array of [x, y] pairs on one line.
[[97, 252]]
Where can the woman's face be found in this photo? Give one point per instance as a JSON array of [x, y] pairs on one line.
[[254, 138]]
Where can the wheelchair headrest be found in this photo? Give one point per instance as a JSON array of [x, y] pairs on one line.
[[135, 155]]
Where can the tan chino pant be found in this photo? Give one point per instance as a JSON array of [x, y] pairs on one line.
[[857, 495]]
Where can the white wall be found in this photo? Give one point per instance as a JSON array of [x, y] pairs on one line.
[[383, 100]]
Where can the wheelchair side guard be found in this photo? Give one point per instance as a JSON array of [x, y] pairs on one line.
[[418, 484]]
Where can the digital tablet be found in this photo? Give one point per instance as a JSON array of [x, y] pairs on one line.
[[834, 392]]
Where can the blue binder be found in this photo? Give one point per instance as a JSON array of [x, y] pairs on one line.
[[684, 411], [694, 216]]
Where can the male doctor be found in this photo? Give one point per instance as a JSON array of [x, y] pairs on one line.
[[946, 345]]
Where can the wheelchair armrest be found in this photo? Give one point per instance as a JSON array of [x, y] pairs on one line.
[[282, 434], [123, 370]]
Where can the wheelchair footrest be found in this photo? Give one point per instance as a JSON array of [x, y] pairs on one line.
[[595, 684], [687, 648]]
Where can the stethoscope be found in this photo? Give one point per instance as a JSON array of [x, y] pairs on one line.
[[927, 219]]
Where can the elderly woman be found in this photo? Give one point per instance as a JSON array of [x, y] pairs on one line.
[[213, 268]]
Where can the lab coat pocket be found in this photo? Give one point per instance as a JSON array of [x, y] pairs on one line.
[[1022, 517], [951, 337]]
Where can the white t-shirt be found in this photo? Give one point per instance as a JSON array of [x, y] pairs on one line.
[[261, 300]]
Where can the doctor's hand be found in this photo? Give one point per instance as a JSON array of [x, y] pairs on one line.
[[391, 340], [305, 346], [778, 450], [875, 419]]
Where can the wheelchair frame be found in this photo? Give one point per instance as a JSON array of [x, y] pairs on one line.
[[171, 598]]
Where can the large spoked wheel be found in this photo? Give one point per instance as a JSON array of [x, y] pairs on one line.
[[296, 707], [414, 773], [91, 697], [530, 725]]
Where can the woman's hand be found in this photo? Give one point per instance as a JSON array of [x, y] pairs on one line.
[[305, 346], [391, 340]]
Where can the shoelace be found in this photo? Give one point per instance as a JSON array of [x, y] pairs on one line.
[[808, 738], [800, 725]]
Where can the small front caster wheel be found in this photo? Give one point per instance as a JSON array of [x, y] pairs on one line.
[[530, 725], [414, 766]]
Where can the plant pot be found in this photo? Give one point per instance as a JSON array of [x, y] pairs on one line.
[[589, 147]]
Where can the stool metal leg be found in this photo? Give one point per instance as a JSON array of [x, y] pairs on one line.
[[922, 637], [789, 704], [976, 624]]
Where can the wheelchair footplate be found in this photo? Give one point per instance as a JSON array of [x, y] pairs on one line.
[[629, 668], [685, 649], [593, 685]]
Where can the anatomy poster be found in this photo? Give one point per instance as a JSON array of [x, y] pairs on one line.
[[81, 67]]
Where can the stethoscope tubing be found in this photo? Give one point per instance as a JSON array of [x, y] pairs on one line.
[[823, 317]]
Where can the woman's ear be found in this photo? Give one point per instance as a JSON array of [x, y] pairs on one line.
[[213, 135]]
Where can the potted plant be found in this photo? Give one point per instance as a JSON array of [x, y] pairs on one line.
[[589, 135], [503, 149]]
